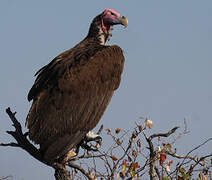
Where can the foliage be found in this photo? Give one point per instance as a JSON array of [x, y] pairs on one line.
[[132, 154]]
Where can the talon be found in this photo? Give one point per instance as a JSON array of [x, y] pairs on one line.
[[90, 136]]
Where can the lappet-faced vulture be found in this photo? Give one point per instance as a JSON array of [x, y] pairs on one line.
[[71, 93]]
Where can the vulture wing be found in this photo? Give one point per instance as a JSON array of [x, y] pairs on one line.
[[70, 96]]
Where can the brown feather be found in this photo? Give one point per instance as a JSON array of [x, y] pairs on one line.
[[71, 94]]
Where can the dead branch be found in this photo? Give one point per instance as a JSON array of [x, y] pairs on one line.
[[21, 139], [61, 173], [75, 166], [164, 134], [187, 155], [152, 155]]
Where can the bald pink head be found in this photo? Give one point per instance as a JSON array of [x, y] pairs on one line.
[[110, 17], [110, 12]]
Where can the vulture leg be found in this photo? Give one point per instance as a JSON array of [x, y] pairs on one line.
[[91, 137]]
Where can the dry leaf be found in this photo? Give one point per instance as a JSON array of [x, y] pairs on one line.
[[91, 175], [170, 162], [159, 149], [203, 162], [135, 165], [148, 123], [205, 177], [168, 168], [117, 130], [162, 158], [107, 130], [140, 128], [71, 153], [168, 146], [134, 153], [114, 158]]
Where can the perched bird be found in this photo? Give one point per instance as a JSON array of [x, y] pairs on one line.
[[71, 93]]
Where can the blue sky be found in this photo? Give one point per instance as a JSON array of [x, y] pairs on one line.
[[167, 75]]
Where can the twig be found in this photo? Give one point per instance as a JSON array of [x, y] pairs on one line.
[[100, 130], [194, 150], [197, 162], [164, 134], [75, 166], [151, 149]]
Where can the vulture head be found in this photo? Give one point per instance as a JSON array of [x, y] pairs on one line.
[[101, 26]]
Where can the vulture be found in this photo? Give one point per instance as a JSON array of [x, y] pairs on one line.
[[71, 93]]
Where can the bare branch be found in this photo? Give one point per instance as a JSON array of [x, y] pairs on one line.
[[195, 149], [75, 166], [61, 172], [21, 139], [12, 144], [164, 134]]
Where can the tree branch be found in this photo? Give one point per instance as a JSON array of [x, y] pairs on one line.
[[61, 173], [151, 149], [75, 166], [21, 139]]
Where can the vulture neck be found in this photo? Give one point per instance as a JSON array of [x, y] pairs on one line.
[[96, 32]]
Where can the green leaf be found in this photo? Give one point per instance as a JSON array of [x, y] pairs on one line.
[[182, 170], [132, 172], [168, 146], [186, 176], [165, 178]]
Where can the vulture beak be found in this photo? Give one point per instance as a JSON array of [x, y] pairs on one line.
[[124, 21]]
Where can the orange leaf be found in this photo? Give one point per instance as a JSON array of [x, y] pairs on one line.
[[170, 162], [149, 126], [107, 130], [117, 130], [114, 158], [91, 175], [203, 162], [134, 153], [140, 128], [148, 123], [135, 165], [162, 158], [124, 163]]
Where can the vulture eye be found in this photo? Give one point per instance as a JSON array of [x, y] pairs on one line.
[[112, 13]]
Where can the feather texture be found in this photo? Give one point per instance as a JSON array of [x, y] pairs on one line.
[[71, 93], [70, 98]]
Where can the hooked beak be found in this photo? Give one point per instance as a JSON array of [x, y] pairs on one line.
[[124, 21]]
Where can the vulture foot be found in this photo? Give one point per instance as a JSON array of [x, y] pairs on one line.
[[89, 138]]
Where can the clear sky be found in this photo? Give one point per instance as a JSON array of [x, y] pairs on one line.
[[167, 76]]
